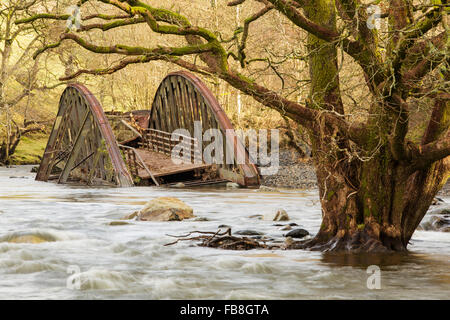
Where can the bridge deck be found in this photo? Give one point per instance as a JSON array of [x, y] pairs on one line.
[[162, 165]]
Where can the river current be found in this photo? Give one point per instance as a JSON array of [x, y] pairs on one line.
[[131, 262]]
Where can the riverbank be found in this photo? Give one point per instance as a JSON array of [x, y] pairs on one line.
[[30, 150], [297, 173]]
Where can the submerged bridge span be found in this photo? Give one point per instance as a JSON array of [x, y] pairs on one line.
[[92, 147]]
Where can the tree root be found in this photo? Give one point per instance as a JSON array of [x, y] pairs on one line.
[[357, 243], [223, 240]]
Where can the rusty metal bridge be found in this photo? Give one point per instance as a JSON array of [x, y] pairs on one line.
[[91, 147]]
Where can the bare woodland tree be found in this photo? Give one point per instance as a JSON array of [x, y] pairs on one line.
[[18, 74], [375, 182]]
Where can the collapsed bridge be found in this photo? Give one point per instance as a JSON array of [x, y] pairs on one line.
[[92, 147]]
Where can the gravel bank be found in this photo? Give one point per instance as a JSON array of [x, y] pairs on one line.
[[295, 173], [292, 173]]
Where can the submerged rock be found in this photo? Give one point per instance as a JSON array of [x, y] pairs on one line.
[[179, 185], [118, 223], [268, 189], [256, 216], [27, 239], [201, 219], [165, 209], [281, 215], [223, 226], [297, 233], [232, 185], [249, 233]]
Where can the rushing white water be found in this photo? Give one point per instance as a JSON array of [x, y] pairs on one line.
[[130, 261]]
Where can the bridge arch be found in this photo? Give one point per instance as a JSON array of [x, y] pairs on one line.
[[181, 99], [82, 145]]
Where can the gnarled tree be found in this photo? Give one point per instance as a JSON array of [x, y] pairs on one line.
[[375, 182]]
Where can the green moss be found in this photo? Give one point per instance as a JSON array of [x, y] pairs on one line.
[[30, 150], [330, 194], [361, 226]]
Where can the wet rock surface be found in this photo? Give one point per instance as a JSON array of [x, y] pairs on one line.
[[163, 209], [281, 215], [297, 233], [248, 233]]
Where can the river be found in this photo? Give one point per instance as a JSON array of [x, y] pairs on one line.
[[131, 262]]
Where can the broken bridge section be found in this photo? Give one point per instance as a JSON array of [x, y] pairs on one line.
[[136, 147], [82, 146]]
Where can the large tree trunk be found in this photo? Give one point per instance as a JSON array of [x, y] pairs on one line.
[[381, 213]]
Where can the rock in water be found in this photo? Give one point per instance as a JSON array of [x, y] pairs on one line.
[[249, 233], [118, 223], [297, 233], [232, 185], [281, 215], [201, 219], [165, 209], [27, 239], [179, 185]]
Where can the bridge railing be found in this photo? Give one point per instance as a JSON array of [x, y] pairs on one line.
[[161, 141]]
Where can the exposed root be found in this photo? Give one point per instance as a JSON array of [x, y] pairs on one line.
[[357, 243], [224, 240]]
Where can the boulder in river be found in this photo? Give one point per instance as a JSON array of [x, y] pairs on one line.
[[297, 233], [165, 209], [281, 215]]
